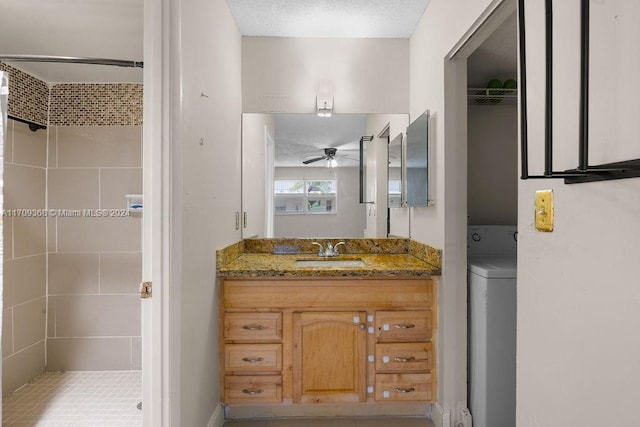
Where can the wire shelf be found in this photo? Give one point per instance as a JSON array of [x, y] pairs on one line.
[[487, 96]]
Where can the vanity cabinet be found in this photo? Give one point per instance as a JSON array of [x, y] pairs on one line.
[[347, 341], [329, 357]]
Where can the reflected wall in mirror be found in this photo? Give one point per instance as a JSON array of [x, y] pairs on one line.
[[417, 161], [314, 184], [394, 174]]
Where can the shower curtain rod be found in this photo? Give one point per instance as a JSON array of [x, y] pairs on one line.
[[72, 60]]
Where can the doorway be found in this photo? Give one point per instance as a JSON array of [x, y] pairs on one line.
[[492, 212], [72, 252]]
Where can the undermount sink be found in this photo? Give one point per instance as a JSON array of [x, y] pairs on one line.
[[330, 262]]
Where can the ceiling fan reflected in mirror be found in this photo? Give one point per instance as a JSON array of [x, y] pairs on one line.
[[329, 156]]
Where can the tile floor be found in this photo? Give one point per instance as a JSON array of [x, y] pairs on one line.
[[95, 399], [109, 399], [334, 422]]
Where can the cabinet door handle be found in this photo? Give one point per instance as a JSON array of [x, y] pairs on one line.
[[252, 392], [253, 360], [404, 359], [404, 390], [253, 328], [409, 326]]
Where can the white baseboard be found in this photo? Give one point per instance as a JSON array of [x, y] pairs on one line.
[[441, 416], [217, 418]]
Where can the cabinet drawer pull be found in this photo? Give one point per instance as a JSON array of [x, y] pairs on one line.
[[253, 328], [404, 390], [409, 326], [253, 360], [404, 359], [252, 392]]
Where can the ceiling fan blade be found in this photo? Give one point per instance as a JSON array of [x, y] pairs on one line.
[[306, 162]]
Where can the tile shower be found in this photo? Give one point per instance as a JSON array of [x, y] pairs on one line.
[[70, 282]]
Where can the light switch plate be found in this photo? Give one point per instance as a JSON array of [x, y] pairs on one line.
[[544, 210]]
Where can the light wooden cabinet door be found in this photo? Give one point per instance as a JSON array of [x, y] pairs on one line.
[[329, 351]]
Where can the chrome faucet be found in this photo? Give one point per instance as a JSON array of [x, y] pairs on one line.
[[320, 250], [330, 251]]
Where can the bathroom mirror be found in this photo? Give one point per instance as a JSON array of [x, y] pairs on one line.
[[395, 195], [292, 186], [417, 162]]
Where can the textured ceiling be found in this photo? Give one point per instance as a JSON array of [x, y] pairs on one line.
[[302, 136], [113, 29], [328, 18], [496, 58], [89, 28]]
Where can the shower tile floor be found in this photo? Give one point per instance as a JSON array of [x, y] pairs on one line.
[[96, 399], [334, 422]]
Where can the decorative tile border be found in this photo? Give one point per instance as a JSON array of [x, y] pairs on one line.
[[73, 104], [28, 96], [96, 104]]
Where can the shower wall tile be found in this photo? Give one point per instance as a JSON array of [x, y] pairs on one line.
[[100, 146], [74, 188], [24, 248], [51, 316], [136, 353], [30, 147], [115, 183], [24, 279], [120, 273], [29, 323], [88, 354], [93, 104], [29, 236], [7, 237], [97, 316], [28, 96], [7, 333], [113, 234], [73, 273], [8, 145], [52, 234], [22, 367], [52, 147], [24, 187]]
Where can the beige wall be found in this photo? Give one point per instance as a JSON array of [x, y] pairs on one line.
[[443, 225], [24, 318], [94, 263], [492, 174], [281, 74], [578, 293], [206, 176]]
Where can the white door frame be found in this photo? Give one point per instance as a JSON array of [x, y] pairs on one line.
[[269, 150], [160, 352], [450, 410]]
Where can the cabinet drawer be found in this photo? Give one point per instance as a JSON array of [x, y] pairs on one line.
[[401, 387], [403, 326], [404, 357], [253, 326], [253, 357], [252, 389]]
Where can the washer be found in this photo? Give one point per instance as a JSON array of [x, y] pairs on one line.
[[492, 325]]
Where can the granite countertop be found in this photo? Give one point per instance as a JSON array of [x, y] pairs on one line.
[[278, 258]]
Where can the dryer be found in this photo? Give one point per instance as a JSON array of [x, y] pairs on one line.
[[491, 333]]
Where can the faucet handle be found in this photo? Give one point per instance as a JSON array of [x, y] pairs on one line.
[[320, 249], [335, 248]]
